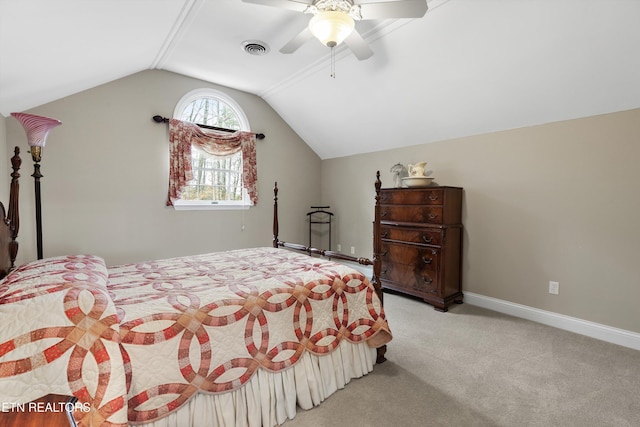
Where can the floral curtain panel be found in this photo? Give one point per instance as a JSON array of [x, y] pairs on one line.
[[184, 135]]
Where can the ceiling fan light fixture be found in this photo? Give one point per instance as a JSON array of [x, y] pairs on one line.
[[331, 27]]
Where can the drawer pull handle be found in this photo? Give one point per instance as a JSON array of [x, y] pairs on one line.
[[433, 216], [433, 197], [427, 260], [427, 280], [383, 213], [385, 234], [427, 239], [383, 271], [384, 253]]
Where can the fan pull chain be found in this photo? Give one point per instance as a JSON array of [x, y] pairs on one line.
[[333, 62]]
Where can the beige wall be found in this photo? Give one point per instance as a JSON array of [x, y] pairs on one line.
[[552, 202], [106, 173]]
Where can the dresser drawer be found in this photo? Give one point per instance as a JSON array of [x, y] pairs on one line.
[[412, 235], [409, 213], [410, 196], [416, 256], [407, 278]]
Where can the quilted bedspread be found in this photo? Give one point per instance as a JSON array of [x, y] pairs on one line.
[[136, 342]]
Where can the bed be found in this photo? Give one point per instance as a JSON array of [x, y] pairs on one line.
[[236, 338]]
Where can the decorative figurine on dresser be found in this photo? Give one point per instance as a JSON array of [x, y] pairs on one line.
[[418, 238]]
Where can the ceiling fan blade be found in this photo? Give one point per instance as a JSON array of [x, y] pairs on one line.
[[297, 5], [394, 9], [358, 46], [293, 45]]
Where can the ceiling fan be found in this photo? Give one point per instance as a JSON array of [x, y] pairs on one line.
[[333, 20]]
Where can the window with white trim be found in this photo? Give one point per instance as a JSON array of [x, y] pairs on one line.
[[217, 182]]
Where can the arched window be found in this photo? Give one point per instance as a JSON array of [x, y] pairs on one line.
[[217, 182]]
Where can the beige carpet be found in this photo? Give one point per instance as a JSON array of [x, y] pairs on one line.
[[476, 367]]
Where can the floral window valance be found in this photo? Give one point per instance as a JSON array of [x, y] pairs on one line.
[[184, 135]]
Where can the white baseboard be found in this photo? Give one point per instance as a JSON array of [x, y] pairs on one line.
[[572, 324], [594, 330]]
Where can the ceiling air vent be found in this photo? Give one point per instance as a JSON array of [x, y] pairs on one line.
[[255, 47]]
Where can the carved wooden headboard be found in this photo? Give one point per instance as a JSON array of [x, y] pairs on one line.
[[10, 220]]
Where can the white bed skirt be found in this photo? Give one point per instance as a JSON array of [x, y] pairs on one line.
[[269, 399]]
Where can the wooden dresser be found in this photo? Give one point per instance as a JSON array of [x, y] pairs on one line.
[[420, 243]]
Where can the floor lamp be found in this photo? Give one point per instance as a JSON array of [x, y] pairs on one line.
[[37, 128]]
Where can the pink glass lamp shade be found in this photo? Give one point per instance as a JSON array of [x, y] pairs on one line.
[[37, 128]]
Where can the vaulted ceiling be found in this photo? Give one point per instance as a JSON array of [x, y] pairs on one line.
[[468, 67]]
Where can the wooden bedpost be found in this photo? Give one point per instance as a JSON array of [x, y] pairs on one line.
[[377, 262], [376, 239], [14, 212], [275, 215]]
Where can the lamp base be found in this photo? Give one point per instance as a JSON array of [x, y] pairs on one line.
[[36, 178]]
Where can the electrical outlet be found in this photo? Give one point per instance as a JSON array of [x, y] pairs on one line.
[[353, 250], [554, 288], [339, 248]]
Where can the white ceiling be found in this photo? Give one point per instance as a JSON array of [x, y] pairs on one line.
[[468, 67]]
